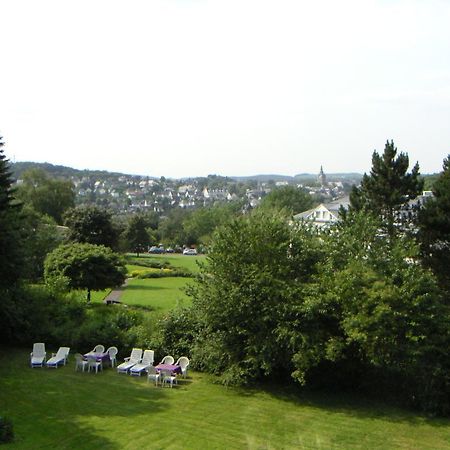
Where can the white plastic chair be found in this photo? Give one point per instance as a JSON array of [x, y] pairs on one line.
[[183, 362], [167, 360], [92, 363], [60, 357], [37, 356], [112, 352], [153, 375], [168, 378], [133, 359], [80, 362], [147, 361]]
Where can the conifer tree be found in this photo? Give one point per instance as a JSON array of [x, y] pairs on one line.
[[10, 242], [434, 227], [388, 187]]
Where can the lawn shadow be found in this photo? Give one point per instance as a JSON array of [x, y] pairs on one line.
[[58, 406], [353, 404]]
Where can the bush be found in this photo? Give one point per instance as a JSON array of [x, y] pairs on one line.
[[160, 273], [6, 430]]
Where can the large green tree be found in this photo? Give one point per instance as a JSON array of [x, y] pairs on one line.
[[136, 234], [91, 224], [46, 195], [434, 227], [388, 187], [256, 267], [290, 198], [85, 266], [10, 236]]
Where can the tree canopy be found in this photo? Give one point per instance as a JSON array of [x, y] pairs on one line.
[[136, 234], [434, 227], [388, 187], [289, 198], [85, 266], [10, 236], [91, 224], [46, 195]]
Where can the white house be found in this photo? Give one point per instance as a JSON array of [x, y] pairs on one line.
[[325, 213]]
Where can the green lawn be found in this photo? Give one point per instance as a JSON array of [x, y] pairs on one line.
[[160, 294], [176, 260], [64, 409]]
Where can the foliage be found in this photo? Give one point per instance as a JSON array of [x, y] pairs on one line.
[[6, 430], [161, 273], [171, 228], [288, 198], [86, 266], [434, 227], [40, 236], [374, 314], [388, 187], [254, 268], [11, 256], [46, 195], [136, 234], [201, 223], [92, 225]]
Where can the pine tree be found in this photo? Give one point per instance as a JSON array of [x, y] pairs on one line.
[[10, 242], [434, 227], [388, 187]]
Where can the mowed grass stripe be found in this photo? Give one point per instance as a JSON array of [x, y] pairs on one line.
[[63, 409]]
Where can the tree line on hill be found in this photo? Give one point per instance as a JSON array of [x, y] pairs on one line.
[[361, 305]]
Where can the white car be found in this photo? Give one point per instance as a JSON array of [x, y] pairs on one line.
[[189, 251]]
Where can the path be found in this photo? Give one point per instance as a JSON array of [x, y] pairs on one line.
[[114, 295]]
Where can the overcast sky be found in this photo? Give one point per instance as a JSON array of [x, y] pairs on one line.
[[190, 88]]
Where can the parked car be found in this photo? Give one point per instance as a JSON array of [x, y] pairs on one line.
[[155, 249], [189, 251], [170, 250]]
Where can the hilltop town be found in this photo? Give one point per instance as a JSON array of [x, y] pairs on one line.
[[124, 193]]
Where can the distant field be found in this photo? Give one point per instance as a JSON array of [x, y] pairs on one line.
[[176, 260], [160, 294]]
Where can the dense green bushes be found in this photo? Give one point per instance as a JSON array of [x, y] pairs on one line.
[[37, 314], [340, 308]]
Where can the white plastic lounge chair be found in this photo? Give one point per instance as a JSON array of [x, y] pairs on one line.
[[147, 361], [112, 352], [168, 378], [133, 359], [37, 356], [153, 375], [60, 357], [167, 360], [80, 362], [183, 362]]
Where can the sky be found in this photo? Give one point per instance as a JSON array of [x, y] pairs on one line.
[[182, 88]]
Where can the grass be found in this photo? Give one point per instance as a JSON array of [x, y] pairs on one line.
[[64, 409], [160, 294], [175, 259]]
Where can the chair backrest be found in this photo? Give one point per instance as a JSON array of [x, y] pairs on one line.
[[152, 370], [148, 357], [183, 362], [112, 352], [63, 352], [136, 355], [78, 357], [99, 349], [92, 362], [38, 349], [167, 360]]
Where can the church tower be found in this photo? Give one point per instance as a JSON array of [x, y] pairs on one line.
[[322, 178]]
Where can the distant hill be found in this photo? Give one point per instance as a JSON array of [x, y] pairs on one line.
[[19, 168]]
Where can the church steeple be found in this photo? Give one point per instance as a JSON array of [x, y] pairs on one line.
[[322, 178]]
